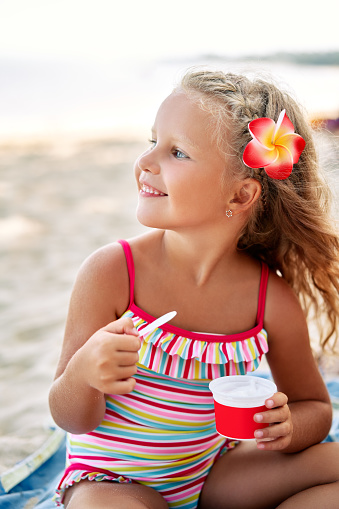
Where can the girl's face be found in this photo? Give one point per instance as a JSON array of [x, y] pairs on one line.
[[180, 176]]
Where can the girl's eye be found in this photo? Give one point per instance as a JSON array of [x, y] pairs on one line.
[[179, 155], [176, 152]]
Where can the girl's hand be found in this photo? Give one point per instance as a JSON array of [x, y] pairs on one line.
[[107, 361], [278, 435]]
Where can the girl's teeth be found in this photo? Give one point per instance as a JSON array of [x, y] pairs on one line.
[[150, 190]]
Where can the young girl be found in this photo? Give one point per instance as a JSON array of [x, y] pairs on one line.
[[242, 248]]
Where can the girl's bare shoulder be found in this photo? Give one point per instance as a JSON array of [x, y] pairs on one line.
[[283, 310], [103, 278], [106, 263], [105, 274]]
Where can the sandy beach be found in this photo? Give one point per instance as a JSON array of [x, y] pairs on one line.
[[59, 202]]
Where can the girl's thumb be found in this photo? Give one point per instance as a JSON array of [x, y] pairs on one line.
[[122, 326]]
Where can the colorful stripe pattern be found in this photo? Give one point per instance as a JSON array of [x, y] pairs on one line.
[[163, 433], [179, 356]]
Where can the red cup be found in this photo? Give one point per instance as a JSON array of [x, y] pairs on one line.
[[236, 400]]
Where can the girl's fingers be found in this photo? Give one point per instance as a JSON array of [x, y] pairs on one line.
[[278, 444], [273, 432], [110, 384], [123, 386], [273, 416], [121, 326], [278, 435], [128, 344], [126, 335], [278, 410], [275, 443], [119, 373], [122, 342], [277, 400], [122, 373], [275, 437], [127, 358]]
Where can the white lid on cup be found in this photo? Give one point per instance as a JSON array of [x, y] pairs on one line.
[[242, 390]]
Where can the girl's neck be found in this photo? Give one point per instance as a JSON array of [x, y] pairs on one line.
[[198, 255]]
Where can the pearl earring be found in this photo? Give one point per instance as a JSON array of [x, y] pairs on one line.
[[229, 213]]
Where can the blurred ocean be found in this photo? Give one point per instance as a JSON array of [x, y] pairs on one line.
[[69, 135], [57, 98]]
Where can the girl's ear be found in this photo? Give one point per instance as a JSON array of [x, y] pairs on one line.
[[245, 195]]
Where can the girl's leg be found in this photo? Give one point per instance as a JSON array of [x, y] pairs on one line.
[[111, 495], [248, 478]]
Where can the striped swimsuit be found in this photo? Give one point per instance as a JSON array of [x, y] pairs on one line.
[[163, 433]]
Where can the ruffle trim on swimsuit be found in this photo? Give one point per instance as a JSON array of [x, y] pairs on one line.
[[178, 356], [74, 476]]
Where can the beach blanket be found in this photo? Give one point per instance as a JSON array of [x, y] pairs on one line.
[[32, 482]]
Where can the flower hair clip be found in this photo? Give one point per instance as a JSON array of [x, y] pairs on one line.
[[275, 146]]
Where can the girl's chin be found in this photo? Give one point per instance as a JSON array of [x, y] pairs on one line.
[[149, 220]]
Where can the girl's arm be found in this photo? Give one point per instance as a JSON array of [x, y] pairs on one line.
[[99, 354], [300, 414]]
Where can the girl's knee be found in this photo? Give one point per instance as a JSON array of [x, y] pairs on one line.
[[271, 477], [106, 495], [326, 456]]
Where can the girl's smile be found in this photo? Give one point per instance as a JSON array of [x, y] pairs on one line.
[[149, 191]]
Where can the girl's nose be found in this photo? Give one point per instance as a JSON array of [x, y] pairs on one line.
[[148, 162]]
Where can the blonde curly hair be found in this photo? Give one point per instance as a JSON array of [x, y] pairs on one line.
[[290, 227]]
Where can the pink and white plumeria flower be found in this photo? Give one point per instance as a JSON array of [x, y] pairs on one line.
[[275, 146]]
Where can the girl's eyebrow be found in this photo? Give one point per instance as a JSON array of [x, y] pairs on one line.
[[186, 139], [181, 137]]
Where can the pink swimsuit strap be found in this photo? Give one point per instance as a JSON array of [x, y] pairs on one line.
[[262, 288], [130, 268], [262, 293]]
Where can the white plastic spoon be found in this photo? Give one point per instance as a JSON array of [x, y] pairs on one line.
[[159, 321]]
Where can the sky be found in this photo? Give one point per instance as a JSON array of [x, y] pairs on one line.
[[83, 65], [140, 29]]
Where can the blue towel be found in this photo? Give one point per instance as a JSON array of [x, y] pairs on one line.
[[37, 489]]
